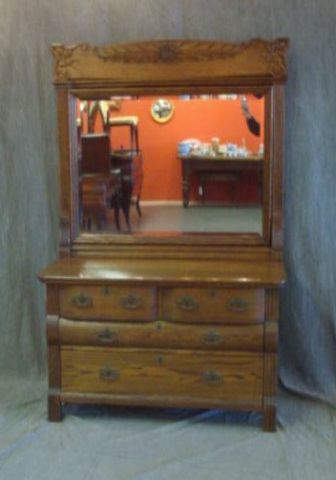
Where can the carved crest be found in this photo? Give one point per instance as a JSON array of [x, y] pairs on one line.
[[266, 57]]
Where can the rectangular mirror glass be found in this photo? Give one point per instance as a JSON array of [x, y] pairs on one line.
[[171, 163]]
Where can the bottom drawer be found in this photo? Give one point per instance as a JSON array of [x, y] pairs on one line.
[[231, 379]]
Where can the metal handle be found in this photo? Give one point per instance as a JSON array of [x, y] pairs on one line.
[[237, 305], [211, 377], [106, 290], [187, 303], [131, 302], [107, 336], [211, 338], [82, 301], [107, 373]]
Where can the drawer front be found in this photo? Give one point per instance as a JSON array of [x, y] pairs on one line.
[[229, 378], [162, 334], [108, 303], [237, 306]]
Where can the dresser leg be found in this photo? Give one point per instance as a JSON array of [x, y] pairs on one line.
[[269, 420], [54, 408]]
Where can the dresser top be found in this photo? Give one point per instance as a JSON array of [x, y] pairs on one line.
[[185, 272]]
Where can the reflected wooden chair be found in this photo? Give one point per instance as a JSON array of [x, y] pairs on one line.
[[98, 111], [100, 186], [130, 162]]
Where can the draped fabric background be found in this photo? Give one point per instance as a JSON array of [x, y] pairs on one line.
[[29, 170]]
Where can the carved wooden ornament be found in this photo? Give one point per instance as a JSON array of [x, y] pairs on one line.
[[135, 62]]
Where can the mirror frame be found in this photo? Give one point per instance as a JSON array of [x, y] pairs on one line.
[[161, 68]]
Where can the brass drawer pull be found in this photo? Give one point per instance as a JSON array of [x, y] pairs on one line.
[[237, 305], [131, 302], [107, 373], [187, 303], [106, 290], [107, 336], [211, 338], [212, 377], [82, 301]]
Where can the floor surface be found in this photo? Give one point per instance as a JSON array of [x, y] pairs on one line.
[[95, 443], [196, 218]]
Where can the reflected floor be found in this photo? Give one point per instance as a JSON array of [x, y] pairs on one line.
[[195, 218]]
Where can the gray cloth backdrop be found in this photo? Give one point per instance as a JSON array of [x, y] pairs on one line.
[[29, 170]]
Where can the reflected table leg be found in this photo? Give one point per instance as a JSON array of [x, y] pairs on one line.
[[185, 185]]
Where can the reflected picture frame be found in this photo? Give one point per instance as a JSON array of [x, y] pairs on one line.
[[162, 110]]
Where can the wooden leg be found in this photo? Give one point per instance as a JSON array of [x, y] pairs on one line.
[[126, 211], [185, 186], [126, 197], [54, 357], [269, 420], [202, 188], [270, 360], [137, 206], [54, 408], [116, 216], [270, 384]]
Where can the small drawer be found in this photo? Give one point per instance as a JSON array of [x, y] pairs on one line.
[[229, 378], [108, 303], [213, 305], [162, 334]]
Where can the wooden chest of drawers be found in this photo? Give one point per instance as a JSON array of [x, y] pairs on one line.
[[163, 333]]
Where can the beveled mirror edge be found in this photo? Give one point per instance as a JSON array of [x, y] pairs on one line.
[[269, 75]]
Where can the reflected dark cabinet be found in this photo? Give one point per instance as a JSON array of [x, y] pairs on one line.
[[167, 318], [99, 185]]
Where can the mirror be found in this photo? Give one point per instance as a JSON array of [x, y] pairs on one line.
[[205, 186], [175, 163]]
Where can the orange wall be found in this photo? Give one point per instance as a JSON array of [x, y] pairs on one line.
[[194, 118]]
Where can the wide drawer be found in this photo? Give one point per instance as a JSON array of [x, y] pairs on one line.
[[108, 303], [162, 334], [213, 305], [230, 378]]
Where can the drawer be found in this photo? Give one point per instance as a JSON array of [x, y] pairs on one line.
[[213, 305], [162, 334], [228, 378], [108, 303]]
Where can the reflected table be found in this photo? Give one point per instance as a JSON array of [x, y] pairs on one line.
[[217, 167]]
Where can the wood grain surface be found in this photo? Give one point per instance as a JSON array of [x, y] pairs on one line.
[[216, 305], [108, 302], [97, 270], [161, 334], [156, 372]]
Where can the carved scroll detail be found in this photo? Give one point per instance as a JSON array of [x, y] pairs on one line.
[[167, 52], [65, 58], [271, 53], [275, 55]]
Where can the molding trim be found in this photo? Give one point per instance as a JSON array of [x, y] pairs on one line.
[[115, 62]]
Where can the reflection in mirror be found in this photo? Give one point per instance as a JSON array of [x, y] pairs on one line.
[[162, 110], [201, 172]]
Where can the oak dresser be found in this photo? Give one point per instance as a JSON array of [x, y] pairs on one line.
[[167, 318], [163, 333]]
